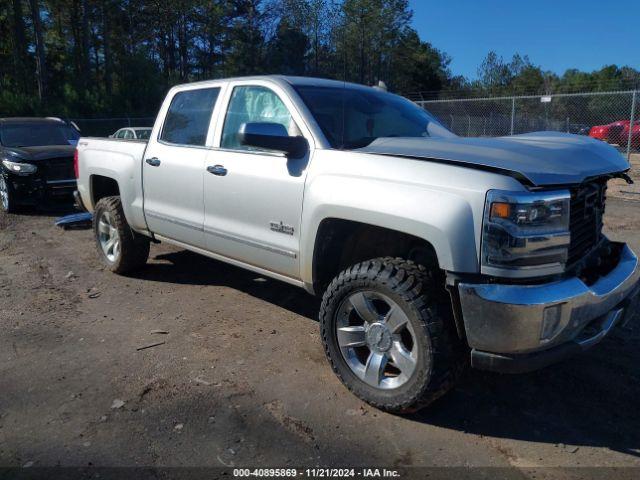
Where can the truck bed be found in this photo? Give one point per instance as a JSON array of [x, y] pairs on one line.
[[116, 159]]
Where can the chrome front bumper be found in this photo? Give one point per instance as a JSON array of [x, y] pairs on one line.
[[526, 319]]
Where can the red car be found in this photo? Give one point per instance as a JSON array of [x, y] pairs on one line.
[[635, 134], [610, 133]]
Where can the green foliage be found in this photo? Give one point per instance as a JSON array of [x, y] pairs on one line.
[[521, 77], [119, 57]]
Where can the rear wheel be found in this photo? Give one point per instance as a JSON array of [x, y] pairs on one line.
[[121, 249], [6, 195], [388, 333]]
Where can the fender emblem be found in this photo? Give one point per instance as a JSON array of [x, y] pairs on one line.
[[281, 228]]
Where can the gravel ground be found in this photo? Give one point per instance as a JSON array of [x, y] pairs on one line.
[[619, 188], [241, 378]]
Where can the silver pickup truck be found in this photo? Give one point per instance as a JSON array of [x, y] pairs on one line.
[[430, 251]]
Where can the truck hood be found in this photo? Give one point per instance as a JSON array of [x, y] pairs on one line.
[[539, 158], [35, 154]]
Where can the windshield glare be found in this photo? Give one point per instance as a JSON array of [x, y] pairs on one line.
[[353, 117], [36, 135]]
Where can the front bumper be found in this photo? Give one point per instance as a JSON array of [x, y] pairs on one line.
[[515, 328], [35, 190]]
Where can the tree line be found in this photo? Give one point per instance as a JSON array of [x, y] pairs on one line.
[[519, 76], [110, 57], [118, 57]]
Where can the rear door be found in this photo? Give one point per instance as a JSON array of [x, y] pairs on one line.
[[174, 164]]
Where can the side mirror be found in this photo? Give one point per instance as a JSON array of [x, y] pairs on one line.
[[272, 136]]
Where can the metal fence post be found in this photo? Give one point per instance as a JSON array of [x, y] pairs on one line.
[[633, 113], [513, 112]]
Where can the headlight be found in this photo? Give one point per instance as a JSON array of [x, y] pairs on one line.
[[525, 234], [20, 168]]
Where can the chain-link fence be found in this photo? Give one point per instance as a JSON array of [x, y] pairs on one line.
[[103, 127], [613, 117]]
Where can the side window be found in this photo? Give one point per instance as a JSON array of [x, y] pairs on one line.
[[127, 134], [188, 117], [120, 134], [253, 104]]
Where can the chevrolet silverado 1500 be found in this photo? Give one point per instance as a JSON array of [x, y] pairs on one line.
[[430, 251]]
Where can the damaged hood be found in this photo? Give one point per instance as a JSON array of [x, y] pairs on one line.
[[539, 158]]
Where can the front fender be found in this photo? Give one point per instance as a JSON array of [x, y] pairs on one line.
[[443, 218]]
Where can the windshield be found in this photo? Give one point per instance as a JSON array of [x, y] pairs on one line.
[[143, 133], [352, 117], [36, 135]]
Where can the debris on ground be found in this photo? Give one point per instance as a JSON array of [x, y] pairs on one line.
[[75, 221], [159, 332], [156, 344], [117, 403], [201, 381]]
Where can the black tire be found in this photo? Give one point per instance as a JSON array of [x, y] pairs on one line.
[[426, 304], [133, 250], [7, 204]]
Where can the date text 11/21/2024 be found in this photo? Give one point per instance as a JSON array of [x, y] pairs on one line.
[[317, 472]]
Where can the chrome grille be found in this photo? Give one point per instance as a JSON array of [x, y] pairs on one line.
[[587, 210]]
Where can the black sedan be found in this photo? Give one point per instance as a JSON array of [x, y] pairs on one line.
[[36, 161]]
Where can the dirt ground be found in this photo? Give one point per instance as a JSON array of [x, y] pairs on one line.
[[241, 379], [621, 189]]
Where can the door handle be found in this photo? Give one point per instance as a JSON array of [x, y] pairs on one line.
[[154, 162], [217, 170]]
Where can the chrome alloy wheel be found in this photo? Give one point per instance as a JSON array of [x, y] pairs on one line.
[[376, 339], [4, 193], [108, 237]]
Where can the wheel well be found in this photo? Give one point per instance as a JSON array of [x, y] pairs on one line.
[[340, 243], [103, 187]]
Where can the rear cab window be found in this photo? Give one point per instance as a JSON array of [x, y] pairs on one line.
[[189, 116]]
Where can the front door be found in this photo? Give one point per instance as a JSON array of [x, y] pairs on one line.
[[253, 199], [173, 168]]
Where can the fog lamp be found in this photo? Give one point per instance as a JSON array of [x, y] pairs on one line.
[[550, 321]]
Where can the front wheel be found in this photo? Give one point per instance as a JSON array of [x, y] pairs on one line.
[[7, 200], [388, 333], [121, 249]]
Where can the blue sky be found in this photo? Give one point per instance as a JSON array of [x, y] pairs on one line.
[[561, 34]]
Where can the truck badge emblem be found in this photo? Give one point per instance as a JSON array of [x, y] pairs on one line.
[[281, 227]]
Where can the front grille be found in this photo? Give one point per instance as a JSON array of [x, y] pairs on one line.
[[57, 169], [587, 211]]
